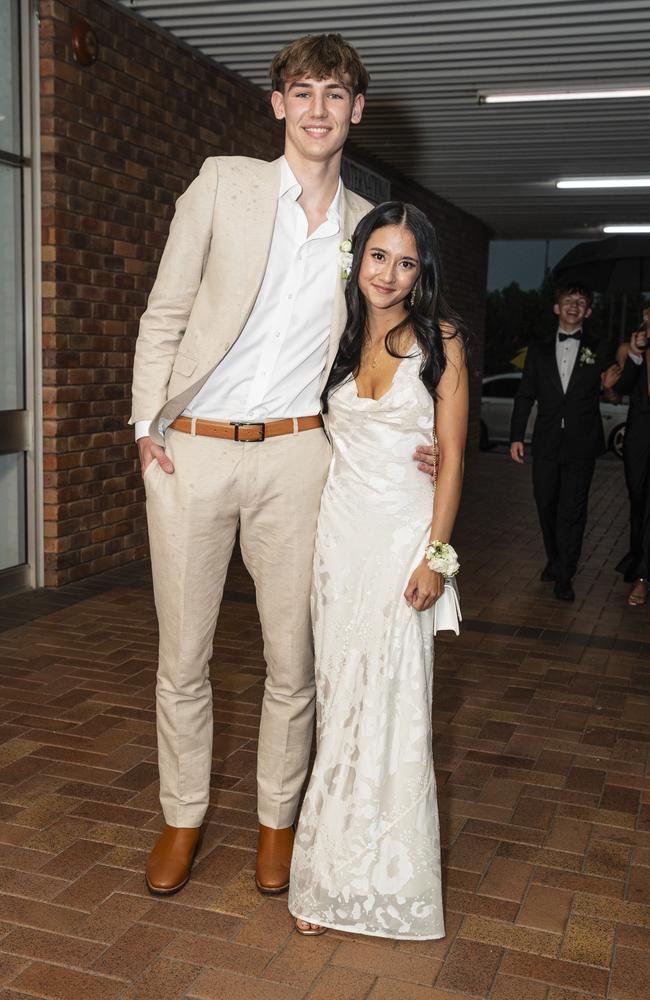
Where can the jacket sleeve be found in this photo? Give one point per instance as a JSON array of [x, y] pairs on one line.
[[629, 377], [525, 397], [171, 299]]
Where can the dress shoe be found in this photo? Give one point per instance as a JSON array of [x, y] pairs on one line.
[[274, 849], [547, 575], [564, 591], [170, 863]]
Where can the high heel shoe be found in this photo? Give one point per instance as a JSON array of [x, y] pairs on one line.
[[309, 930], [636, 600]]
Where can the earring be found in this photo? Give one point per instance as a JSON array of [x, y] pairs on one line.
[[413, 295]]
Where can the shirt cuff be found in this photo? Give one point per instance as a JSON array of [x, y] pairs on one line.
[[634, 358], [142, 428]]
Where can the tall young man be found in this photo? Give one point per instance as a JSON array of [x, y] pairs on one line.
[[240, 331], [564, 376]]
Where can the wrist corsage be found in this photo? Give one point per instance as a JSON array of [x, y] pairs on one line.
[[442, 558]]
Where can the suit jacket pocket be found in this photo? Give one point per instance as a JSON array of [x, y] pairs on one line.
[[184, 364]]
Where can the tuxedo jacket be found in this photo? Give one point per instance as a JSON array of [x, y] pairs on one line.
[[208, 279], [634, 382], [568, 424]]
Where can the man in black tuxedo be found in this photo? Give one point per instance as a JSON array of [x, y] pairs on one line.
[[563, 375]]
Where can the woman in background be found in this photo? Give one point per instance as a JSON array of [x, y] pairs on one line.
[[635, 382]]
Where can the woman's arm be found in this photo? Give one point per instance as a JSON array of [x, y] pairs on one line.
[[621, 353], [452, 406]]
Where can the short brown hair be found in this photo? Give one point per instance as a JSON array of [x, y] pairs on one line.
[[567, 287], [318, 57]]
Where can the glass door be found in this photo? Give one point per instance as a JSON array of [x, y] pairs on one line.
[[16, 347]]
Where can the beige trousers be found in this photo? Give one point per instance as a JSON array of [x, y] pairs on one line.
[[271, 489]]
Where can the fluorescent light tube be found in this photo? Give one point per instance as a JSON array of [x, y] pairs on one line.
[[563, 95], [645, 228], [604, 182]]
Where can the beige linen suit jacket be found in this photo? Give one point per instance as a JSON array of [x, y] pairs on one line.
[[208, 280]]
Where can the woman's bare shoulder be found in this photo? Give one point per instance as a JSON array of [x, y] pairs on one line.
[[453, 343]]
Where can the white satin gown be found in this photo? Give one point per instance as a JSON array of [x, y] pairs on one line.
[[367, 850]]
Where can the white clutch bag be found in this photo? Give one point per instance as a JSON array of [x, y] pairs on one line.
[[446, 610]]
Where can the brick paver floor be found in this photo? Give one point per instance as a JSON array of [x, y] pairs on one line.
[[542, 735]]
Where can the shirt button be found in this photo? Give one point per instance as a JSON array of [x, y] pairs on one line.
[[290, 295]]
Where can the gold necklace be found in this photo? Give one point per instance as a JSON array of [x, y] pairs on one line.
[[373, 358]]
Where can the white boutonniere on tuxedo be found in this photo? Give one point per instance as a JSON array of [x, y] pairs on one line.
[[587, 356], [345, 259]]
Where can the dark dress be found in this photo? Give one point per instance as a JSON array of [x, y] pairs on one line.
[[636, 458]]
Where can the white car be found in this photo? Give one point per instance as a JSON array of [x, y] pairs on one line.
[[496, 411]]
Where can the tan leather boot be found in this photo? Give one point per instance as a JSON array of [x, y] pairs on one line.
[[170, 862], [274, 849]]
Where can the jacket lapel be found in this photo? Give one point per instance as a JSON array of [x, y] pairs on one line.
[[548, 352], [339, 310], [584, 342], [259, 221]]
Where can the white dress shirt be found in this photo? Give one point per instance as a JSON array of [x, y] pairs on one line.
[[274, 368], [566, 352]]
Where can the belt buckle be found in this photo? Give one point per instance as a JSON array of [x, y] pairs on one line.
[[248, 423]]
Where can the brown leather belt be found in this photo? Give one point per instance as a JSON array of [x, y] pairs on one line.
[[245, 430]]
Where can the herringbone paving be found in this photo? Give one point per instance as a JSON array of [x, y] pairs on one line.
[[542, 731]]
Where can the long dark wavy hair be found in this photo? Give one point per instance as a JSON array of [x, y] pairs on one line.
[[427, 316]]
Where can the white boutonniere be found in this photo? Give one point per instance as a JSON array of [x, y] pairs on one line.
[[345, 258], [587, 356]]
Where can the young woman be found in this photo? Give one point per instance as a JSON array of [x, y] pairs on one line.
[[635, 382], [367, 850]]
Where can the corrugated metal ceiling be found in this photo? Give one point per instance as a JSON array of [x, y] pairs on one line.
[[430, 58]]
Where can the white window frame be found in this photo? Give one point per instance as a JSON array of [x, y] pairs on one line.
[[31, 573]]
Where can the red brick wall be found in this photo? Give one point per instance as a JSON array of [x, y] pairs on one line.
[[120, 141]]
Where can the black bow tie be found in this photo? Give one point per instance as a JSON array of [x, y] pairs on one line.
[[569, 336]]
